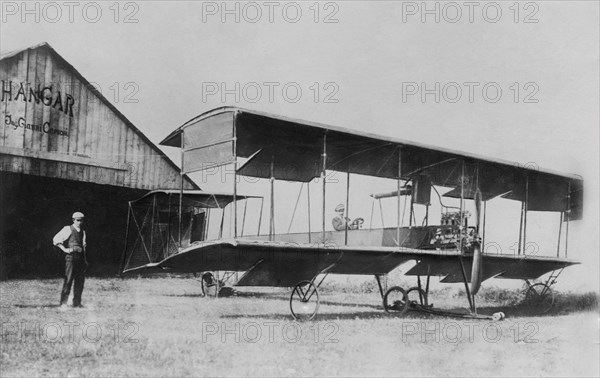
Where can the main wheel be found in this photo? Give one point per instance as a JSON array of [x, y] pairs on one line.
[[539, 298], [210, 285], [304, 301], [418, 296], [395, 300]]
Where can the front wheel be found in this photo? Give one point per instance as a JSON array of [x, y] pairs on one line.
[[304, 301]]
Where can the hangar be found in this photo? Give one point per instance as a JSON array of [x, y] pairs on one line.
[[64, 148]]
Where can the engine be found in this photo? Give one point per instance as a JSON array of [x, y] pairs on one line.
[[452, 230]]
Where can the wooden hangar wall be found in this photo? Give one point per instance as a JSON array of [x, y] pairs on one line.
[[64, 148]]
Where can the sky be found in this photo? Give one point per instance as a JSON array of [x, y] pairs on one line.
[[508, 80]]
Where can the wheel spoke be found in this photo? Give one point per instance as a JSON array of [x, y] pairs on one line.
[[302, 293], [304, 301], [539, 298]]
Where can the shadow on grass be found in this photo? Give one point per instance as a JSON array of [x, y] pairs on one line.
[[192, 295], [238, 294], [380, 314], [37, 306], [564, 304]]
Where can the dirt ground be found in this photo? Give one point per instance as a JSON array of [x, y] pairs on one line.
[[165, 327]]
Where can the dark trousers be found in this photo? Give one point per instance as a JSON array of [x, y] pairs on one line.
[[74, 275]]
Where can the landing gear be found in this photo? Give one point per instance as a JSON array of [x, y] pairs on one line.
[[396, 300], [417, 295], [399, 301], [215, 284], [210, 285], [304, 301], [539, 298]]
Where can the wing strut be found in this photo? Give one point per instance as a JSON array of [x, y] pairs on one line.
[[272, 206], [300, 299], [323, 175], [382, 289], [257, 263], [235, 168], [568, 216], [347, 207], [399, 194], [308, 205]]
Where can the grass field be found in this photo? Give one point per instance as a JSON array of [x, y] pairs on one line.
[[164, 327]]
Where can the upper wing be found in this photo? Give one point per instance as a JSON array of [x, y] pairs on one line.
[[290, 149]]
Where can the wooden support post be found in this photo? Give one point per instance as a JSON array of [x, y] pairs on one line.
[[323, 175], [461, 211], [272, 206], [347, 207], [206, 223], [181, 173], [568, 215], [525, 215], [559, 232], [483, 227], [428, 279], [308, 200], [152, 225], [398, 195], [124, 258], [222, 223], [262, 205], [295, 208], [244, 217], [372, 210], [521, 228], [235, 165], [168, 225], [381, 289]]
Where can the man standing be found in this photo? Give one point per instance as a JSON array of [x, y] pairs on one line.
[[72, 240]]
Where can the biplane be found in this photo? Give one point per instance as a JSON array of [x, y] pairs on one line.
[[169, 229]]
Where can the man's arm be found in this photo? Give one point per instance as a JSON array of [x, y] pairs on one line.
[[60, 238], [338, 223], [85, 248]]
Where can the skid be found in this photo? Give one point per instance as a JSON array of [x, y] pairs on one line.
[[439, 312]]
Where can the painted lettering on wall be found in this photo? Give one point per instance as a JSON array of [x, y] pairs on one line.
[[45, 95], [42, 128]]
